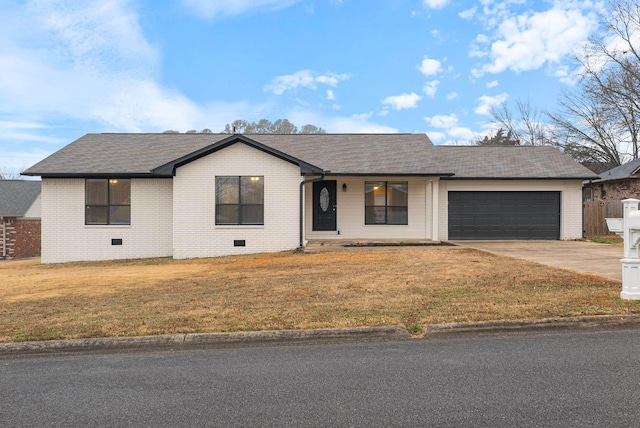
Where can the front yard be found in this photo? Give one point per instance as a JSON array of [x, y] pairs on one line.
[[409, 286]]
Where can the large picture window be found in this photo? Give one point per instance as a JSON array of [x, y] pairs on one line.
[[107, 201], [240, 200], [385, 202]]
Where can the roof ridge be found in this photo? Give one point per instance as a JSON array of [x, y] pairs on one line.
[[494, 147], [222, 133]]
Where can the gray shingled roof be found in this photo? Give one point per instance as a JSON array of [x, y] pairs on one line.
[[383, 154], [510, 162], [16, 196], [628, 170]]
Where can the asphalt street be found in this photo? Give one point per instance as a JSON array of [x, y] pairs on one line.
[[574, 379]]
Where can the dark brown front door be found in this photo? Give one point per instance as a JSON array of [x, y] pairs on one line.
[[324, 205]]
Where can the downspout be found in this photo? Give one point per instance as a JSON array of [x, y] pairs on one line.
[[4, 238], [302, 183]]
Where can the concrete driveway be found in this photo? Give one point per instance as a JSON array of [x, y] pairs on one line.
[[582, 256]]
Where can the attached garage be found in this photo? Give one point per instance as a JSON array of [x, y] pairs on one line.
[[504, 215]]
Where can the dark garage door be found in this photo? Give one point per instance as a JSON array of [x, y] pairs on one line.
[[504, 215]]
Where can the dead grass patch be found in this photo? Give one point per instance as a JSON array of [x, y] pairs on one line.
[[379, 286]]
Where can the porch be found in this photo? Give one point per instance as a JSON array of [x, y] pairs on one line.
[[329, 245]]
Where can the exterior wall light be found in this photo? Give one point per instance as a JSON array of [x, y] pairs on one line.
[[344, 187]]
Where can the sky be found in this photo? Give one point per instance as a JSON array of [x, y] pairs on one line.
[[68, 68]]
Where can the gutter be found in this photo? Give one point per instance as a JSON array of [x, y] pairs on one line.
[[518, 178], [301, 220]]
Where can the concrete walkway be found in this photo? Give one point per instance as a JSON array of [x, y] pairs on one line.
[[582, 256]]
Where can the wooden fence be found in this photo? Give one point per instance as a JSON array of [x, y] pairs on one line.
[[594, 213]]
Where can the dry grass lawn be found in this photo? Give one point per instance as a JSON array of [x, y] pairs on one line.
[[410, 286]]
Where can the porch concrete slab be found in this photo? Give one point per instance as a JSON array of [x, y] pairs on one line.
[[581, 256]]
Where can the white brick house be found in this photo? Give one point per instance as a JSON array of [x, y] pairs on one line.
[[113, 196]]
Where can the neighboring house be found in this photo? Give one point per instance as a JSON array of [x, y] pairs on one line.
[[19, 218], [111, 196], [621, 182]]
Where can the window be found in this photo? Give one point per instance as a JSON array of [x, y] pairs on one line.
[[385, 202], [107, 201], [240, 200]]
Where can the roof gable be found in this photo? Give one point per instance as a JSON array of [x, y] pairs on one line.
[[621, 172], [170, 167], [16, 196]]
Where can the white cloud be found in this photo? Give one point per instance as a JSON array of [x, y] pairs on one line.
[[91, 62], [429, 66], [435, 4], [442, 121], [303, 79], [403, 101], [363, 116], [209, 8], [358, 123], [458, 134], [9, 124], [477, 49], [430, 88], [356, 126], [482, 38], [468, 14], [486, 103], [331, 79], [74, 60], [16, 161], [436, 136], [492, 84], [452, 95], [462, 134], [529, 40], [330, 95]]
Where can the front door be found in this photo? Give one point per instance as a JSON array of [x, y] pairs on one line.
[[324, 205]]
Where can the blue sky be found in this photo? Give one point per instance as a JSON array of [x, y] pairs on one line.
[[68, 68]]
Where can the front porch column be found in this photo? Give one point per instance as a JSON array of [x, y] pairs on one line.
[[435, 190]]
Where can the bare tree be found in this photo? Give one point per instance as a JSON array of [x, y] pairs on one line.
[[7, 174], [599, 120], [526, 125], [585, 128]]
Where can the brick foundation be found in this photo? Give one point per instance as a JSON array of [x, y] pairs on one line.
[[22, 237]]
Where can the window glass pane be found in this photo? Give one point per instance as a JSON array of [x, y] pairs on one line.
[[119, 191], [227, 190], [375, 215], [227, 214], [252, 190], [397, 194], [374, 193], [120, 214], [397, 215], [96, 192], [95, 215], [253, 214]]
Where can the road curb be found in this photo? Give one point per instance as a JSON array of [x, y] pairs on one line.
[[586, 322], [194, 340], [204, 339]]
